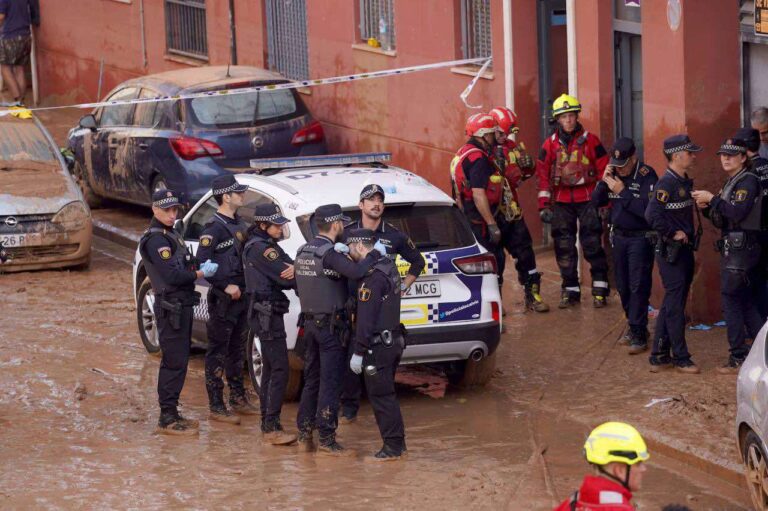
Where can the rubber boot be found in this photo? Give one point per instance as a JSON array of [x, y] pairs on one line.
[[533, 299]]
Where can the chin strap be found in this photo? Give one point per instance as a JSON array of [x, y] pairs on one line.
[[624, 483]]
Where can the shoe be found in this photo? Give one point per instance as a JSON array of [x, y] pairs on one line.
[[333, 448], [731, 367], [242, 406], [657, 367], [598, 302], [174, 424], [221, 414], [348, 419], [637, 348], [688, 368], [568, 298], [533, 299], [387, 454], [279, 437], [190, 423], [305, 441]]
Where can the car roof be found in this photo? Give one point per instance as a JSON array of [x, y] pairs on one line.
[[203, 78]]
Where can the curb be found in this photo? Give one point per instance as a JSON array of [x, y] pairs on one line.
[[116, 235]]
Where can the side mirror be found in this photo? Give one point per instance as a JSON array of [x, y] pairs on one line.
[[88, 122], [178, 225]]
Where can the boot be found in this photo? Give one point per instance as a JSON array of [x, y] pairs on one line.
[[221, 414], [568, 298], [305, 441], [273, 433], [241, 405], [638, 341], [171, 423], [688, 367], [626, 338], [731, 367], [599, 301], [387, 454], [533, 299], [331, 447]]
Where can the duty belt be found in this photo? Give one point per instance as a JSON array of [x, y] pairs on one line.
[[679, 205], [631, 233], [384, 337]]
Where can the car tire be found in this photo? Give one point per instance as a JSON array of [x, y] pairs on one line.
[[253, 355], [469, 373], [756, 471], [145, 317], [93, 200]]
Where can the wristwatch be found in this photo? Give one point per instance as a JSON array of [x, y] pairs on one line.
[[403, 287]]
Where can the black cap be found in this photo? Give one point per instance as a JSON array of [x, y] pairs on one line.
[[677, 143], [623, 149], [733, 146], [750, 136], [227, 184], [361, 236], [370, 190], [165, 199], [328, 213], [269, 213]]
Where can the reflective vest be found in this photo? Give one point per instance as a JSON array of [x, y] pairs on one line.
[[321, 290], [462, 191], [574, 168]]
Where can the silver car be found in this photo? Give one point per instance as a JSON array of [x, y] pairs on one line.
[[752, 419]]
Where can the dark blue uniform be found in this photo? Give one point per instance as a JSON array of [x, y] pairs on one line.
[[222, 242], [669, 210], [760, 169], [632, 245], [736, 211]]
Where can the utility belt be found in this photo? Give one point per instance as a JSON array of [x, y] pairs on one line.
[[260, 313], [171, 306], [337, 321], [651, 236], [388, 338], [670, 250]]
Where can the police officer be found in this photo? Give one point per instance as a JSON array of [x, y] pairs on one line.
[[394, 242], [670, 214], [222, 241], [570, 164], [379, 341], [321, 279], [627, 185], [269, 271], [172, 272], [4, 257], [736, 211]]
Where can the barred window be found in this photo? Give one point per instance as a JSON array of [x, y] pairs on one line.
[[185, 30], [476, 28], [377, 23], [287, 46]]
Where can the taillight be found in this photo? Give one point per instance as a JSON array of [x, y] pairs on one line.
[[495, 312], [476, 264], [309, 134], [190, 148]]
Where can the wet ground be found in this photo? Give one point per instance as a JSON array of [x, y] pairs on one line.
[[79, 408]]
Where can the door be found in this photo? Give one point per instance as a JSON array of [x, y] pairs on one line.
[[629, 88]]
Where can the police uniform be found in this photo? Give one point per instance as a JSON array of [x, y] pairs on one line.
[[379, 340], [671, 209], [631, 238], [736, 210], [321, 279], [397, 243], [172, 272], [264, 261], [222, 241]]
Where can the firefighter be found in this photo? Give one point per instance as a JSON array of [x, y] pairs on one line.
[[626, 185], [618, 454], [570, 164], [736, 210], [517, 166]]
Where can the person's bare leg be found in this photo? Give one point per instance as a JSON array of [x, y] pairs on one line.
[[10, 79], [21, 79]]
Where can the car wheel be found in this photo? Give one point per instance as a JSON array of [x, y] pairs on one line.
[[470, 373], [255, 368], [81, 178], [145, 316], [158, 183], [756, 471]]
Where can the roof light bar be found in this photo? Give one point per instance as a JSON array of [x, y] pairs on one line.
[[320, 161]]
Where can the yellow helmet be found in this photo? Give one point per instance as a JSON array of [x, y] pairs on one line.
[[565, 104], [615, 442]]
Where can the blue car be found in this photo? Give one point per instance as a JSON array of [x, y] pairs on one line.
[[126, 152]]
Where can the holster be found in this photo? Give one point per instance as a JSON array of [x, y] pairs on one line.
[[261, 311], [171, 308], [223, 301], [739, 250], [341, 327]]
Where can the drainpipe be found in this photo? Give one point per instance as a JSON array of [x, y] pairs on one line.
[[570, 13], [143, 35], [509, 72], [232, 34]]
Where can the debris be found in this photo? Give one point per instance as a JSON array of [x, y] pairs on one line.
[[720, 323], [700, 326], [656, 401], [80, 391], [21, 289], [100, 371]]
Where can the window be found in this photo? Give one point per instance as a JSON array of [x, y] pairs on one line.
[[377, 23], [242, 110], [22, 140], [287, 46], [205, 212], [119, 115], [185, 30], [156, 114], [476, 28]]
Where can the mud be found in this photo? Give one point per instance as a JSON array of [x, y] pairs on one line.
[[32, 179], [79, 408]]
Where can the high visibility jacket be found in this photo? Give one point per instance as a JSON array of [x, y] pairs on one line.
[[461, 166], [598, 494]]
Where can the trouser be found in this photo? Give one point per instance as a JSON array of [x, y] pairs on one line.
[[516, 239], [670, 323], [274, 371], [324, 358], [382, 396], [351, 387], [175, 344], [567, 220], [739, 310], [633, 267], [225, 355]]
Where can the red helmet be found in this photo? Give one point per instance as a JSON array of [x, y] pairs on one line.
[[506, 119], [480, 124]]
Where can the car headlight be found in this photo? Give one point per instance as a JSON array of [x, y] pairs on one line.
[[72, 217]]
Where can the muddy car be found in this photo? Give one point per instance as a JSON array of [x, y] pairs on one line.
[[126, 152], [44, 220]]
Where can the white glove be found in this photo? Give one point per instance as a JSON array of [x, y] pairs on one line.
[[356, 363], [341, 248], [380, 248]]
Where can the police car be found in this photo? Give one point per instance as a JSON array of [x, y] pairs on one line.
[[452, 311]]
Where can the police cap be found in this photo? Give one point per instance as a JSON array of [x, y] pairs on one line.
[[227, 184], [165, 199], [751, 136], [370, 190], [623, 149], [268, 213], [733, 146], [678, 143], [328, 213]]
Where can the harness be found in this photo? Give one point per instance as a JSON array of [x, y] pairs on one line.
[[573, 168]]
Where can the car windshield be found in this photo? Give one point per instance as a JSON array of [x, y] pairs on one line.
[[429, 227], [22, 141], [243, 110]]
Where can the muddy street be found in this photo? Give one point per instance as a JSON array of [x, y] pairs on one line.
[[79, 410]]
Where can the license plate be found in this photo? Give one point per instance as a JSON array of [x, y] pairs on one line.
[[424, 289], [14, 240]]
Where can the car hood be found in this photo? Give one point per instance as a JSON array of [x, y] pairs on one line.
[[32, 187]]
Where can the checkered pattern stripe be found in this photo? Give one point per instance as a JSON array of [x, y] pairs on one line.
[[168, 201], [331, 273], [432, 264], [733, 148], [359, 239], [433, 314], [269, 218], [200, 311], [237, 187], [329, 219], [679, 148], [225, 244], [679, 205]]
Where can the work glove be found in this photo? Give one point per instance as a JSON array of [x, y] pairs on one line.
[[546, 215], [380, 248], [524, 161], [356, 363], [494, 233], [209, 268], [341, 248]]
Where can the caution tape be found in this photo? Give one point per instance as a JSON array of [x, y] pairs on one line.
[[464, 95], [280, 86]]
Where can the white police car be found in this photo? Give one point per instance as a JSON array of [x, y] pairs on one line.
[[452, 311]]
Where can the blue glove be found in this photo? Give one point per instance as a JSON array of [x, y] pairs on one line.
[[356, 363], [380, 248], [209, 268], [341, 248]]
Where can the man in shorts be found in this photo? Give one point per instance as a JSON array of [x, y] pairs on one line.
[[16, 17]]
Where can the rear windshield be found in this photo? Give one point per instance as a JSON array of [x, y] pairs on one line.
[[429, 227], [23, 141], [244, 110]]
